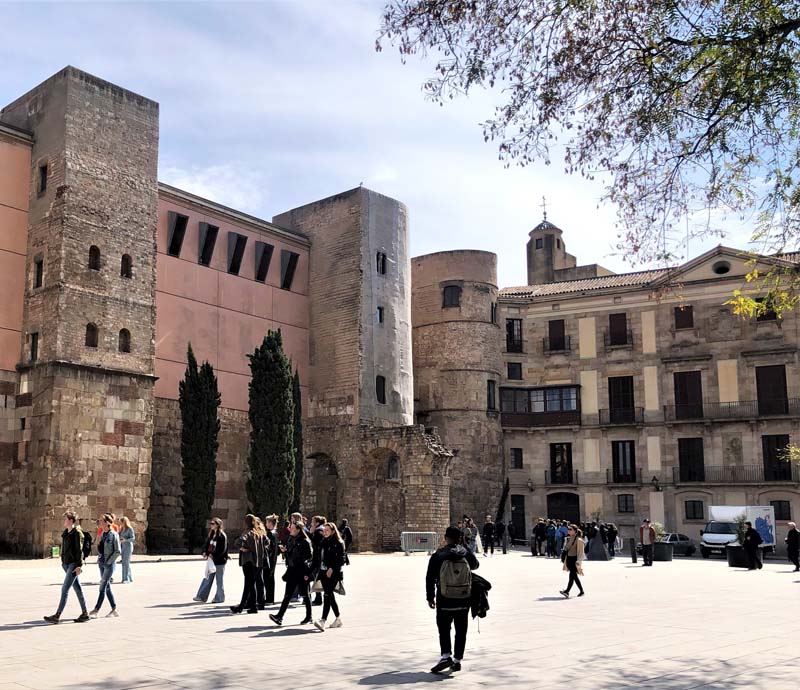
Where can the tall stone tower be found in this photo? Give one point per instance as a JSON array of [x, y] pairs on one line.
[[85, 391], [457, 360], [547, 253]]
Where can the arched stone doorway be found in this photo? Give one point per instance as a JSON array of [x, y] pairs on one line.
[[564, 505], [320, 486], [384, 502]]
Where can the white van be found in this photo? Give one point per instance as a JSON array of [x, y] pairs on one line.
[[720, 530]]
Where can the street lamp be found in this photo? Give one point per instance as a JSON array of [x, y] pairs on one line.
[[655, 483], [531, 487]]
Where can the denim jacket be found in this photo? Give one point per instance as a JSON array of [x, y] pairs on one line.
[[111, 547]]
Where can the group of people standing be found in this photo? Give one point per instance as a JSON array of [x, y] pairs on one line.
[[115, 540], [315, 556]]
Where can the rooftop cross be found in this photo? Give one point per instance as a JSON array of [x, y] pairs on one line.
[[544, 207]]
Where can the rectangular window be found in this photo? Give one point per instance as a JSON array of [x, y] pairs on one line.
[[379, 315], [776, 467], [38, 272], [288, 267], [518, 517], [207, 241], [684, 317], [691, 461], [380, 389], [491, 395], [380, 263], [771, 390], [539, 243], [620, 400], [514, 371], [625, 503], [560, 463], [451, 296], [618, 329], [783, 509], [516, 458], [34, 347], [768, 314], [688, 395], [177, 231], [42, 181], [623, 457], [263, 259], [514, 335], [694, 510], [494, 312], [555, 335], [236, 245]]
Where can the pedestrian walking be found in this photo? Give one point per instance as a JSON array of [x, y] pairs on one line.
[[216, 549], [647, 537], [793, 545], [561, 535], [317, 535], [572, 557], [551, 539], [330, 574], [347, 535], [127, 538], [472, 536], [109, 552], [511, 530], [488, 536], [752, 540], [71, 563], [299, 553], [250, 545], [270, 560], [261, 530], [448, 589], [611, 535]]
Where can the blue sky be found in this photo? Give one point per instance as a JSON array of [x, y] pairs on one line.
[[267, 106]]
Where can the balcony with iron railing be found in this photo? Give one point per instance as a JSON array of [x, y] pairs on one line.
[[742, 409], [513, 344], [621, 415], [538, 419], [617, 476], [736, 474], [556, 345], [621, 339], [562, 477]]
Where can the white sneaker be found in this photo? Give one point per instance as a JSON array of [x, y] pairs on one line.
[[320, 625], [93, 613], [337, 623], [112, 614]]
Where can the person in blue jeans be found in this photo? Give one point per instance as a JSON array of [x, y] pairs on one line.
[[109, 552], [71, 562], [127, 538], [215, 548]]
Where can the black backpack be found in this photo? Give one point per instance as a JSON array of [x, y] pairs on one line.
[[87, 545]]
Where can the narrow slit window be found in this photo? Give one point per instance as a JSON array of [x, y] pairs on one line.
[[34, 347], [236, 245], [38, 272], [380, 389], [126, 266], [91, 335], [177, 231], [124, 340], [288, 267], [94, 258], [208, 240], [380, 314], [380, 263], [263, 259], [42, 181]]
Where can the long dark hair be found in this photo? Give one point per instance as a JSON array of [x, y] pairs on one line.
[[302, 532]]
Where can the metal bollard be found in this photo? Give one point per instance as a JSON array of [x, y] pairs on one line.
[[632, 546]]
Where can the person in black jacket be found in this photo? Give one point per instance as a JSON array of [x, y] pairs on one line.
[[298, 553], [449, 611], [71, 562], [793, 545], [488, 536], [752, 540], [215, 548], [317, 535], [347, 534], [330, 573], [270, 560], [251, 559]]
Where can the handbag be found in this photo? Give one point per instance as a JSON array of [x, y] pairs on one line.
[[211, 569], [339, 589], [580, 570], [317, 586]]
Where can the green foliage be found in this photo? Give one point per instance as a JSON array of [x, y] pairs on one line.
[[740, 528], [271, 457], [686, 109], [199, 399], [659, 529], [298, 443]]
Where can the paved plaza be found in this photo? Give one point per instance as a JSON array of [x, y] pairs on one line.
[[685, 624]]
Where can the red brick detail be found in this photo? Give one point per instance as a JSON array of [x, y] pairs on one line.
[[129, 428], [114, 439]]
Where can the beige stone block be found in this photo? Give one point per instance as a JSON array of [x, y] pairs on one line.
[[728, 377], [109, 427], [654, 453], [648, 332], [592, 503], [651, 401], [589, 392], [591, 455], [657, 506], [587, 338]]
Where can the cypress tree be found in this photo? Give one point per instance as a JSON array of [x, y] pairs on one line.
[[270, 486], [298, 443], [199, 400]]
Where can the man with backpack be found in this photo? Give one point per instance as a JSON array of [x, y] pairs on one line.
[[448, 589]]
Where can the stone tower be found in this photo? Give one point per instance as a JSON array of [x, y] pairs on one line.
[[86, 396], [547, 253], [457, 360]]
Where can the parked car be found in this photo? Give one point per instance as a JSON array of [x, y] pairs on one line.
[[681, 544]]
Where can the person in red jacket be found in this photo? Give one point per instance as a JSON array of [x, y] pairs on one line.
[[647, 537]]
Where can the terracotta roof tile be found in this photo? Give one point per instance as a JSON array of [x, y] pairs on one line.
[[584, 284]]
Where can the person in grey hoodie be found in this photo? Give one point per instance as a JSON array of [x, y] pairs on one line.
[[108, 553], [449, 611]]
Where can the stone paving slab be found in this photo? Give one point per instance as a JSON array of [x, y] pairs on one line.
[[686, 624]]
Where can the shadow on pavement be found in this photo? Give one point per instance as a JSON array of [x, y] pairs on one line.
[[182, 605], [28, 624], [288, 632], [551, 599], [404, 678]]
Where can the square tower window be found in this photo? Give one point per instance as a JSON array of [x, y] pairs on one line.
[[380, 389], [539, 242], [451, 296], [288, 268], [177, 231]]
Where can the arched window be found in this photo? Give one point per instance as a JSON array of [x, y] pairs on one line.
[[94, 258], [126, 266], [451, 296], [393, 468], [380, 261], [124, 340], [91, 335]]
